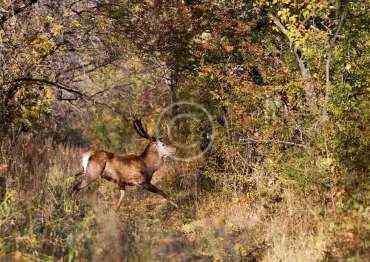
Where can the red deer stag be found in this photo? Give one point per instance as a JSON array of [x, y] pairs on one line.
[[130, 170]]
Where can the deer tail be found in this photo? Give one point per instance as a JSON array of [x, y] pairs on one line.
[[85, 159]]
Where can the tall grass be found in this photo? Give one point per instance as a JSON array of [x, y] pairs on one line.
[[270, 221]]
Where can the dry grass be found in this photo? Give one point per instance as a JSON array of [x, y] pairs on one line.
[[297, 232], [274, 222]]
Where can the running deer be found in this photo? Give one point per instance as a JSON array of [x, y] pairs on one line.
[[130, 170]]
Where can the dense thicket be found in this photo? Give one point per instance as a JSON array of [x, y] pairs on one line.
[[285, 82]]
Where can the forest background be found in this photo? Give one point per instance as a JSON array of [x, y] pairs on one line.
[[271, 95]]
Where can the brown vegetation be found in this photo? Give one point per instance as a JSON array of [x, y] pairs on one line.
[[266, 101]]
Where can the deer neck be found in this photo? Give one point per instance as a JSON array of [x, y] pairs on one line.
[[151, 157]]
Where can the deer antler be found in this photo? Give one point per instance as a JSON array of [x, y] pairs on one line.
[[141, 130]]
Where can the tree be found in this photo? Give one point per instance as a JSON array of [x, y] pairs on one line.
[[48, 44]]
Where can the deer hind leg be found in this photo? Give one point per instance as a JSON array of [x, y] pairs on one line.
[[92, 173], [156, 190], [80, 184], [79, 174], [75, 187]]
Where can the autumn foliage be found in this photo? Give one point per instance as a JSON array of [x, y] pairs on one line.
[[282, 127]]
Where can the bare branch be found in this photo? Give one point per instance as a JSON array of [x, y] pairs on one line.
[[16, 11], [279, 24], [301, 64], [332, 41], [272, 141], [67, 98], [48, 82]]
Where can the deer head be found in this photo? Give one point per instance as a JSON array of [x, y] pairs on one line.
[[155, 145]]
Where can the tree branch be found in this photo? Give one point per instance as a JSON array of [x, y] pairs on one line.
[[67, 98], [297, 52], [16, 11], [50, 83], [332, 42], [272, 141]]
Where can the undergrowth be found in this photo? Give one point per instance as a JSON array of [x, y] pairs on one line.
[[271, 219]]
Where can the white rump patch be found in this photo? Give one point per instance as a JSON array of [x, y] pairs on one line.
[[85, 159]]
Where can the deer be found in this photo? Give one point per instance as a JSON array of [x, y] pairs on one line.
[[128, 170]]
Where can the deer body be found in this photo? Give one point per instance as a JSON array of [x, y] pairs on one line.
[[129, 170], [125, 170]]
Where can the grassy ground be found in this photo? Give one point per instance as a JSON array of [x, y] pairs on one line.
[[274, 221]]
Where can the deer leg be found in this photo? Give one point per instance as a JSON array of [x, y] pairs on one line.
[[92, 173], [110, 179], [81, 184], [121, 186], [79, 174], [75, 186], [74, 189], [122, 194], [156, 190]]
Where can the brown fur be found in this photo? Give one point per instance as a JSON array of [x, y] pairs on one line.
[[125, 171]]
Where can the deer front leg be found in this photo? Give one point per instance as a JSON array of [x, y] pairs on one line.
[[122, 194], [156, 190]]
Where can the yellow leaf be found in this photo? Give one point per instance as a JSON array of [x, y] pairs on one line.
[[75, 24], [57, 29]]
